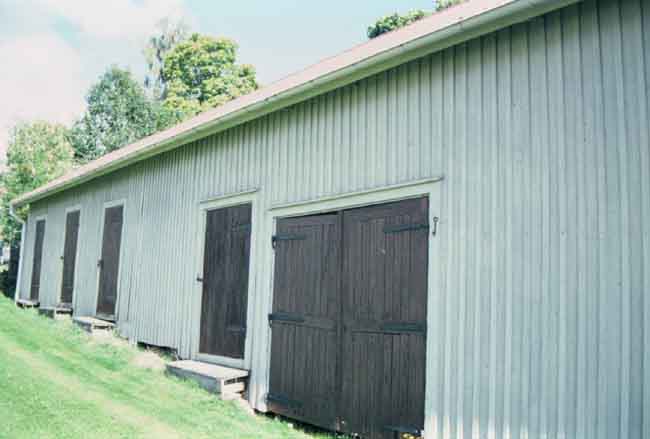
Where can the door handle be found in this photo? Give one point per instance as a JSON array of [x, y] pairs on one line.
[[199, 278], [100, 263]]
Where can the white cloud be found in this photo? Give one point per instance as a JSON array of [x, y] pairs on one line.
[[119, 19], [45, 76], [44, 81]]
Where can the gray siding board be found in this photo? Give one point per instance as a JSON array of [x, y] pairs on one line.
[[541, 131], [645, 201]]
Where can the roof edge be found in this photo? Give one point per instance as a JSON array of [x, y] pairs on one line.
[[439, 31]]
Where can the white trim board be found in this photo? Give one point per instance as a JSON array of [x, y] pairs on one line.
[[226, 200], [350, 200]]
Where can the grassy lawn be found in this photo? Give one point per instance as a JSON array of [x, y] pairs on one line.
[[56, 381]]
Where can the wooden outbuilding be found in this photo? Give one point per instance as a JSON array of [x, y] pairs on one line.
[[444, 231]]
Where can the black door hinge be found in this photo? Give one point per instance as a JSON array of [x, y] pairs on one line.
[[404, 328], [286, 237], [404, 429], [236, 328], [276, 398], [397, 228], [286, 317]]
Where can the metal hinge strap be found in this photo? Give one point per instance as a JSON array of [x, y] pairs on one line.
[[401, 327], [404, 429], [286, 237], [405, 227], [285, 317], [241, 228], [278, 399], [236, 328]]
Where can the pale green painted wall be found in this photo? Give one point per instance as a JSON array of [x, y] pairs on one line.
[[541, 132]]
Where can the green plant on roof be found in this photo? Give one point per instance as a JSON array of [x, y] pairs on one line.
[[394, 21]]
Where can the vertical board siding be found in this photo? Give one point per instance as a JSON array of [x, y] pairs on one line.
[[541, 131]]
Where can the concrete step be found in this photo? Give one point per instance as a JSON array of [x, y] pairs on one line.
[[56, 313], [91, 324], [225, 381], [26, 303]]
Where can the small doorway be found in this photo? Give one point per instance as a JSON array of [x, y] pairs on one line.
[[224, 295], [69, 258], [35, 287], [109, 262], [349, 319]]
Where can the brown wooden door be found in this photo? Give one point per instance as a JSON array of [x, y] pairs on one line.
[[69, 257], [349, 319], [384, 318], [37, 261], [110, 262], [305, 336], [225, 281]]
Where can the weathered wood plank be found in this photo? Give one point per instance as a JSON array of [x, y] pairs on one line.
[[110, 261]]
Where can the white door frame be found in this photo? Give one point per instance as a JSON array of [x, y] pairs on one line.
[[228, 200], [431, 187]]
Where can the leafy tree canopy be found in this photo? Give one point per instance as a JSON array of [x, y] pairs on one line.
[[395, 21], [202, 73], [37, 153], [168, 35], [118, 113]]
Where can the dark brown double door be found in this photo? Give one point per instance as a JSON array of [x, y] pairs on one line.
[[109, 262], [349, 319], [224, 301], [69, 257]]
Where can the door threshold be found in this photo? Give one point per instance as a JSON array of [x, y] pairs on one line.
[[105, 317], [92, 324], [237, 363]]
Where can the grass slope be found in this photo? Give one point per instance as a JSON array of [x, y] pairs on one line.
[[55, 382]]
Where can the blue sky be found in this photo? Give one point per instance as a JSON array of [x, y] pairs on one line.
[[51, 51]]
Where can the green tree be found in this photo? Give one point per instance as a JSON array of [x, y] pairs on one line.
[[168, 35], [37, 153], [395, 21], [202, 73], [118, 113], [444, 4]]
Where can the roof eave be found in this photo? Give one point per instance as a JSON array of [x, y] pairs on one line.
[[458, 24]]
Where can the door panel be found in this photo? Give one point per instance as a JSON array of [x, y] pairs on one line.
[[225, 281], [304, 347], [349, 319], [38, 259], [69, 256], [110, 262], [384, 313]]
